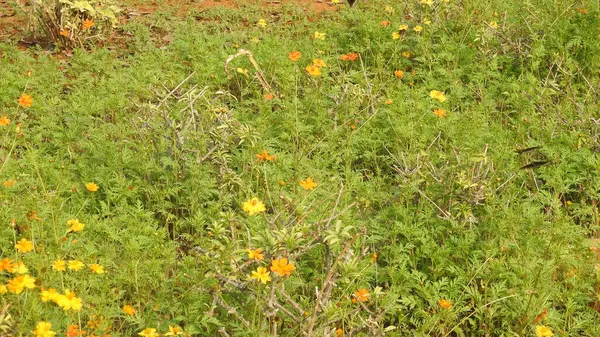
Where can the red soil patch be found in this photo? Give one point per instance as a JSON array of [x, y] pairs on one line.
[[11, 24], [183, 7]]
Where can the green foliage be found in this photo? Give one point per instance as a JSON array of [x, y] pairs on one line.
[[493, 208]]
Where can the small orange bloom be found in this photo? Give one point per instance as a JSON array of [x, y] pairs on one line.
[[441, 113], [385, 23], [256, 254], [9, 183], [64, 32], [8, 265], [25, 100], [308, 184], [339, 332], [349, 57], [445, 303], [87, 24], [294, 55], [282, 267], [362, 295], [265, 156], [4, 121], [268, 97], [388, 101], [399, 74], [129, 310]]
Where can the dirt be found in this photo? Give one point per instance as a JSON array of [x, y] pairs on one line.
[[13, 23]]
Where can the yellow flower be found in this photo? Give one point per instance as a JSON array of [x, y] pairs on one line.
[[389, 9], [493, 24], [59, 265], [18, 284], [75, 225], [319, 36], [174, 331], [282, 267], [445, 303], [543, 331], [3, 289], [96, 268], [129, 310], [403, 27], [242, 71], [92, 187], [254, 206], [4, 121], [43, 329], [21, 268], [255, 39], [441, 113], [25, 100], [262, 23], [426, 2], [149, 332], [406, 54], [87, 23], [69, 301], [49, 295], [75, 265], [24, 246], [426, 21], [256, 254], [362, 295], [437, 95], [308, 184], [261, 274], [313, 70], [319, 63], [396, 36], [418, 29]]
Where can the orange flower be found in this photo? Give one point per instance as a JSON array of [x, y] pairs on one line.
[[265, 156], [4, 121], [313, 70], [129, 310], [445, 303], [339, 332], [294, 55], [441, 113], [349, 57], [308, 184], [8, 265], [282, 267], [25, 100], [385, 23], [87, 24], [268, 96], [399, 74], [64, 32], [388, 101], [362, 295], [9, 183], [373, 257], [74, 331]]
